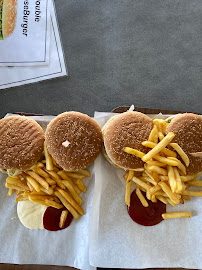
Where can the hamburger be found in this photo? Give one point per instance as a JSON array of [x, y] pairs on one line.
[[8, 14], [187, 128], [21, 144], [128, 129], [74, 140]]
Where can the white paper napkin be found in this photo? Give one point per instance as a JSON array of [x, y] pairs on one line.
[[118, 242], [19, 245]]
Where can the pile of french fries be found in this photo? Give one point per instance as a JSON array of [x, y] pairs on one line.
[[48, 184], [164, 176]]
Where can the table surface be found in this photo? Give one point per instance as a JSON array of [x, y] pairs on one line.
[[123, 52]]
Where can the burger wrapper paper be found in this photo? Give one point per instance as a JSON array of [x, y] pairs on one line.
[[19, 245], [116, 241]]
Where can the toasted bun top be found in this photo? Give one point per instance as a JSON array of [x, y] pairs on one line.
[[128, 129], [9, 17], [187, 128], [21, 142], [82, 135]]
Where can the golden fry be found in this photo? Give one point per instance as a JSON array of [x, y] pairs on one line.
[[67, 205], [153, 137], [162, 199], [53, 204], [141, 183], [33, 183], [75, 175], [39, 179], [49, 161], [161, 145], [21, 198], [181, 153], [134, 152], [80, 185], [178, 181], [71, 201], [84, 172], [195, 183], [72, 191], [176, 215], [57, 179], [127, 192], [10, 191], [192, 193], [165, 151], [154, 189], [168, 191], [171, 179], [190, 177], [166, 161], [63, 218], [141, 197], [158, 170]]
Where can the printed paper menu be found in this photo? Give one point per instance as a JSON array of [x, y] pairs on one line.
[[24, 32]]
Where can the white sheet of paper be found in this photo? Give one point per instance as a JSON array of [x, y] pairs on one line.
[[116, 241], [29, 43], [68, 247], [14, 76]]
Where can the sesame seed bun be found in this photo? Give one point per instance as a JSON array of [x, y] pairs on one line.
[[128, 129], [21, 142], [187, 128], [74, 140], [9, 17]]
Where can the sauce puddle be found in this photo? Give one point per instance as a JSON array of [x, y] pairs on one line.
[[146, 216], [51, 219]]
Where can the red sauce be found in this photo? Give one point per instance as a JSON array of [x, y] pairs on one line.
[[146, 216], [51, 219]]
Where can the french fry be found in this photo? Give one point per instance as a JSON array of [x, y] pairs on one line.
[[21, 198], [162, 199], [10, 192], [182, 154], [19, 192], [63, 175], [53, 204], [49, 161], [67, 205], [180, 165], [160, 135], [153, 198], [168, 191], [158, 124], [134, 152], [141, 197], [8, 185], [156, 163], [42, 173], [178, 181], [48, 191], [170, 202], [153, 137], [165, 151], [158, 170], [80, 185], [186, 197], [150, 175], [75, 175], [16, 182], [57, 179], [37, 201], [148, 179], [33, 183], [34, 192], [161, 145], [141, 183], [176, 215], [72, 191], [171, 179], [163, 178], [195, 183], [154, 189], [39, 179], [192, 193], [39, 197], [189, 177], [127, 192], [82, 171], [126, 176], [50, 181], [63, 218], [166, 161], [71, 201]]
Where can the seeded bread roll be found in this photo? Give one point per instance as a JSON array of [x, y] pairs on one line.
[[187, 128], [9, 15], [128, 129], [74, 140], [21, 142]]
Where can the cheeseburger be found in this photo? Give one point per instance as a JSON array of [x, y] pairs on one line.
[[187, 128], [21, 144], [8, 14], [128, 129], [74, 140]]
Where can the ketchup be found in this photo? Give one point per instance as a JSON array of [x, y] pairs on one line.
[[51, 219], [146, 216]]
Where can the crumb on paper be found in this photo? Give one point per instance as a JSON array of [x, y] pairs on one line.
[[13, 218]]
